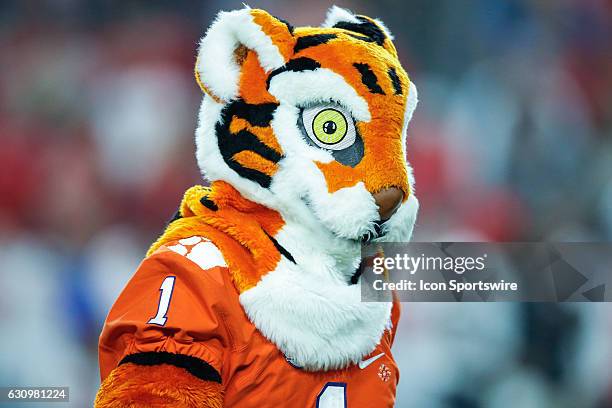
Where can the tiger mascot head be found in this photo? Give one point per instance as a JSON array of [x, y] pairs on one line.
[[309, 123]]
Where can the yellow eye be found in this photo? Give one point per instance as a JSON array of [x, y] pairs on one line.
[[329, 126]]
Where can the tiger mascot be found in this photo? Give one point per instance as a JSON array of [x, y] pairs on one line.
[[250, 296]]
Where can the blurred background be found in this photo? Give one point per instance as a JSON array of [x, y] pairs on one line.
[[511, 141]]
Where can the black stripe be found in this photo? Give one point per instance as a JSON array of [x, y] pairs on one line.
[[251, 174], [196, 367], [397, 84], [368, 78], [360, 37], [311, 41], [296, 65], [280, 248], [256, 115], [208, 203], [355, 278], [286, 23], [230, 144], [366, 27], [245, 140], [370, 235]]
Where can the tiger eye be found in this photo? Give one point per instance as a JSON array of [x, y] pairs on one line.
[[329, 126]]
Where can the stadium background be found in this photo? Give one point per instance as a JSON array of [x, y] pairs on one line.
[[512, 140]]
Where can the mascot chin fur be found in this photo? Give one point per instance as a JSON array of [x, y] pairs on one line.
[[250, 296]]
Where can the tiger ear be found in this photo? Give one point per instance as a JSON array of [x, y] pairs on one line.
[[337, 15], [371, 29], [223, 49]]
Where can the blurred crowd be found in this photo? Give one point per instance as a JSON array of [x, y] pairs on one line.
[[511, 141]]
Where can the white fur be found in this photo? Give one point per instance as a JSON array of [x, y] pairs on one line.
[[411, 102], [321, 85], [304, 241], [337, 14], [384, 28], [216, 64], [316, 321], [399, 227], [348, 212]]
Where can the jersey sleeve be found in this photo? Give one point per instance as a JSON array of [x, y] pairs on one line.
[[169, 312]]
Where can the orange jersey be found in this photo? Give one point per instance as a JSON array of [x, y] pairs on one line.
[[181, 300]]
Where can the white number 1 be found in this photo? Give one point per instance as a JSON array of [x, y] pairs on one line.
[[165, 295]]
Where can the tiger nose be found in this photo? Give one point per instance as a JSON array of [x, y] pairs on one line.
[[388, 201]]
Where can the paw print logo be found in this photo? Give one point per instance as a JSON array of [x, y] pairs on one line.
[[199, 250], [384, 373]]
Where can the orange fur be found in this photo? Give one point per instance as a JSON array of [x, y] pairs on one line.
[[253, 81], [136, 386], [238, 227], [276, 30], [254, 161]]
